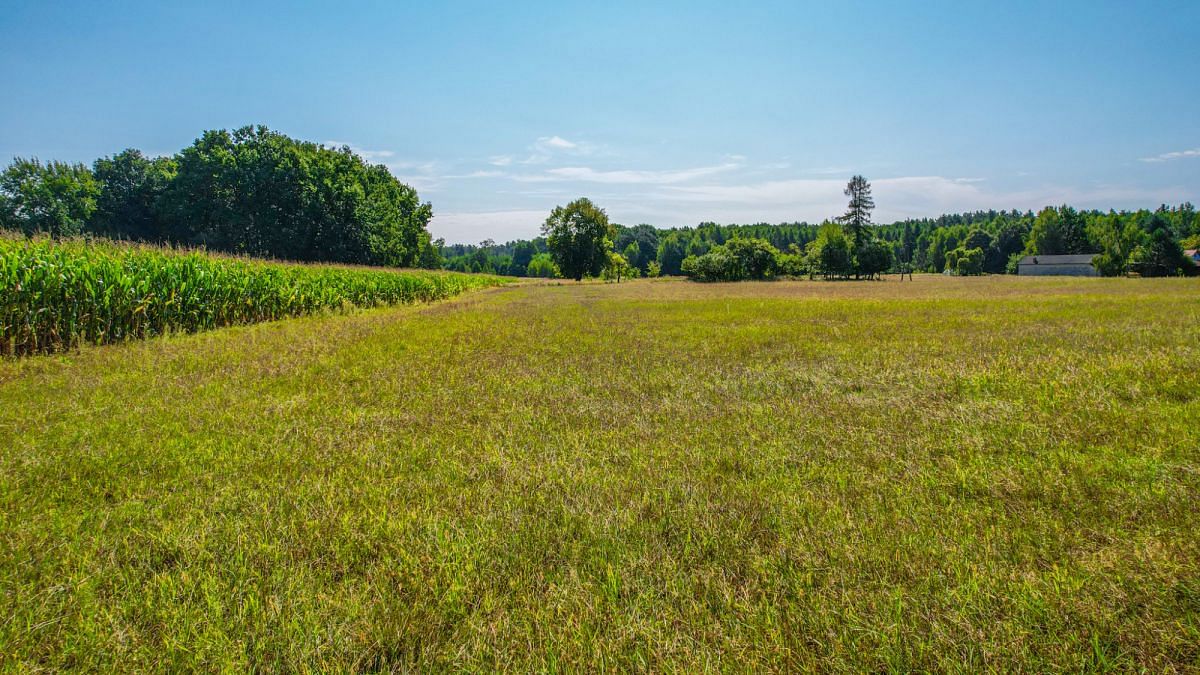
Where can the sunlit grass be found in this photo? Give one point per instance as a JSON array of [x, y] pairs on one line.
[[964, 474]]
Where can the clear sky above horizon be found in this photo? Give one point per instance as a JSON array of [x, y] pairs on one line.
[[663, 113]]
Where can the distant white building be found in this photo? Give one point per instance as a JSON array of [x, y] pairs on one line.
[[1058, 265]]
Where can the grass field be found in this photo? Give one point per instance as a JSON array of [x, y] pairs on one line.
[[953, 474]]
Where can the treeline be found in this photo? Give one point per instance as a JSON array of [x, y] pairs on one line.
[[523, 258], [1144, 242], [251, 191]]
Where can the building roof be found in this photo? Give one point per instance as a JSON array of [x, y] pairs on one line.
[[1074, 259]]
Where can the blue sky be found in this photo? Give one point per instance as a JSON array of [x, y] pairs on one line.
[[665, 113]]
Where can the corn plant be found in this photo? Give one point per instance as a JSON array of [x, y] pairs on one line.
[[55, 295]]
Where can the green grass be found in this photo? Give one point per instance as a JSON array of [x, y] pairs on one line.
[[953, 474], [57, 295]]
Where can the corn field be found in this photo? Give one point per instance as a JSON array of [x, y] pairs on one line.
[[55, 295]]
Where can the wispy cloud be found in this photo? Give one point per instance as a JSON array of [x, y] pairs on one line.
[[720, 198], [831, 171], [546, 148], [1168, 156], [423, 176], [369, 155], [557, 142], [625, 176], [476, 174], [814, 199], [470, 227]]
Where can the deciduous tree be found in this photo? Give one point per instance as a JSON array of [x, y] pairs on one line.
[[578, 237], [54, 198]]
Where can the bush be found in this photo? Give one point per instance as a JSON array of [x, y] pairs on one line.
[[967, 262], [716, 265], [618, 268], [735, 260], [1014, 261], [542, 265], [792, 264]]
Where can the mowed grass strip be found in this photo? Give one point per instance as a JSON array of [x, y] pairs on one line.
[[953, 474], [58, 295]]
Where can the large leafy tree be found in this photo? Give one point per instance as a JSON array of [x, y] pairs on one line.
[[55, 198], [830, 253], [1160, 255], [130, 186], [874, 258], [578, 237], [1058, 231], [1118, 238], [260, 192]]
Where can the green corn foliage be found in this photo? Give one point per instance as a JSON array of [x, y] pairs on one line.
[[58, 295]]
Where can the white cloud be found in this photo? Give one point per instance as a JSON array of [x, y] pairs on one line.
[[831, 171], [557, 142], [1168, 156], [369, 155], [816, 199], [500, 160], [809, 199], [465, 227], [423, 176], [411, 165], [624, 176], [477, 174], [546, 148]]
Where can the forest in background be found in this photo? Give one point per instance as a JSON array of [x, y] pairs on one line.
[[988, 241]]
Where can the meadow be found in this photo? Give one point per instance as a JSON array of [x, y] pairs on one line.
[[55, 295], [960, 474]]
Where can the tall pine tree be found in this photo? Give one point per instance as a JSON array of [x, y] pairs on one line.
[[858, 214]]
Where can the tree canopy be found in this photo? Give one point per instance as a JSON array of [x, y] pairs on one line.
[[251, 191], [579, 238], [55, 198]]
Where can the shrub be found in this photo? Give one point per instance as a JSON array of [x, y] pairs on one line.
[[792, 264], [618, 268], [735, 260], [542, 265], [967, 262]]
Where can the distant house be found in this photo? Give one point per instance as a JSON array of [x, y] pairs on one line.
[[1193, 254], [1058, 265]]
